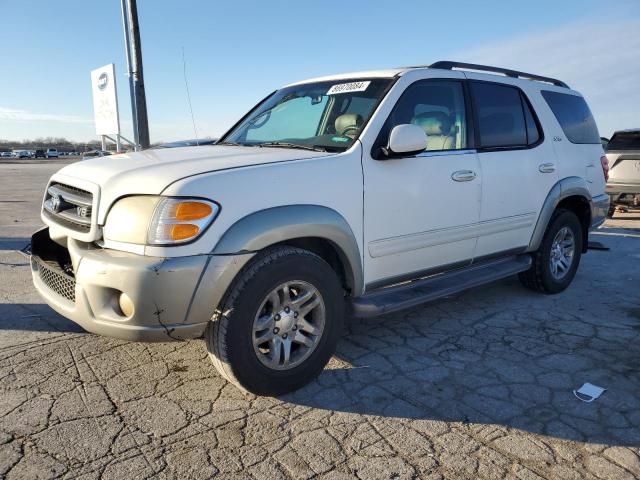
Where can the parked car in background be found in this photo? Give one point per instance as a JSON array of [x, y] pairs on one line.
[[40, 154], [364, 192], [52, 153], [188, 143], [5, 154], [95, 153], [21, 154], [623, 155]]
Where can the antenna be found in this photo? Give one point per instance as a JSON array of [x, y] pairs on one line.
[[186, 85]]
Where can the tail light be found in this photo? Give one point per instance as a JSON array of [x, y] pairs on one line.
[[604, 161]]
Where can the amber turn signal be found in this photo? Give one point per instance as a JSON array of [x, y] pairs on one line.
[[192, 211], [183, 231]]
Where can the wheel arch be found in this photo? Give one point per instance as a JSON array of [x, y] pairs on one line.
[[571, 193], [316, 228]]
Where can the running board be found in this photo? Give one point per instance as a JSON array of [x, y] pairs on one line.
[[407, 295]]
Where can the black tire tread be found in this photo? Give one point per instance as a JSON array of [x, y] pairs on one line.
[[533, 278], [217, 347]]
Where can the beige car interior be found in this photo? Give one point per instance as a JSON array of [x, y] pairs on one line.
[[348, 124], [439, 129]]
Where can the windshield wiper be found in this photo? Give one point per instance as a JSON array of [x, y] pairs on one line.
[[290, 145], [233, 144]]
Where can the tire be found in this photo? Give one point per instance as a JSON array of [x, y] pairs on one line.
[[230, 336], [540, 277], [612, 210]]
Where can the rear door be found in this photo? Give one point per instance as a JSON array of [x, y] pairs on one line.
[[518, 166]]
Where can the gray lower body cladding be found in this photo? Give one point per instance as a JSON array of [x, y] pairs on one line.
[[599, 209], [172, 298]]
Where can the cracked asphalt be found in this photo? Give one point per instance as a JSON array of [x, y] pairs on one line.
[[478, 385]]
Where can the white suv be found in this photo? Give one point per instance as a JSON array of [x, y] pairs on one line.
[[366, 192], [52, 153]]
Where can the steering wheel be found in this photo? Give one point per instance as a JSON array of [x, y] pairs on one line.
[[350, 130]]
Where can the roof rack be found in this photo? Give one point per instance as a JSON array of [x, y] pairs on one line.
[[446, 65]]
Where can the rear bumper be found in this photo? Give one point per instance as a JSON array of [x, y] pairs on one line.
[[617, 190], [599, 209], [173, 298]]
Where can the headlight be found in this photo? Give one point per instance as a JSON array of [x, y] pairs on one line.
[[151, 220]]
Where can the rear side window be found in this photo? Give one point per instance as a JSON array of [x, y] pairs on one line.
[[574, 117], [624, 141], [505, 119]]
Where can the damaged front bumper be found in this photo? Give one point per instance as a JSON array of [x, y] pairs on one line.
[[166, 298]]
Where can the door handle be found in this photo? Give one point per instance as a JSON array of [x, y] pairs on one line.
[[547, 168], [463, 176]]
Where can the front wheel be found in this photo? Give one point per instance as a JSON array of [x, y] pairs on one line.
[[556, 261], [279, 324]]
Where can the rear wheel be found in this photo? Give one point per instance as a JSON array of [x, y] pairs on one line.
[[279, 324], [612, 210], [556, 261]]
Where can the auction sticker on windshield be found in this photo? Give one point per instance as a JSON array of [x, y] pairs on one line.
[[348, 87]]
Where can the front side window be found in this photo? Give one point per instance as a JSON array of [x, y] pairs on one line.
[[325, 116], [437, 106], [574, 116]]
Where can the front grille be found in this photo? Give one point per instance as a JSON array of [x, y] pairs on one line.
[[69, 206], [56, 280]]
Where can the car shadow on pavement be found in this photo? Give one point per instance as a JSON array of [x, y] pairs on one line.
[[513, 368], [35, 317], [13, 243]]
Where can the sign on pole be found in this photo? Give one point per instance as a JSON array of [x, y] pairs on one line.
[[105, 100]]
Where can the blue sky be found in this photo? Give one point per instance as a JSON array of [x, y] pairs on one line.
[[238, 51]]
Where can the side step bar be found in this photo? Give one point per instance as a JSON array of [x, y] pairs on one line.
[[407, 295]]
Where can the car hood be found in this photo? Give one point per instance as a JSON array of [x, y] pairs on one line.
[[149, 172]]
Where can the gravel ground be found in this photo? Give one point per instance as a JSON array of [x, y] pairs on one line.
[[478, 385]]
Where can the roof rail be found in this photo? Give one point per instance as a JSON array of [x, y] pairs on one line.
[[446, 65]]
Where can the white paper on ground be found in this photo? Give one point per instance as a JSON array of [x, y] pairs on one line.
[[588, 392]]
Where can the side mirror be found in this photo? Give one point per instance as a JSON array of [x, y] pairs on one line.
[[406, 140]]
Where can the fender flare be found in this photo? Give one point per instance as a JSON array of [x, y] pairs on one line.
[[267, 227], [567, 187]]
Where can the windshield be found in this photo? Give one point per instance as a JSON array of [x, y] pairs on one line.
[[325, 116]]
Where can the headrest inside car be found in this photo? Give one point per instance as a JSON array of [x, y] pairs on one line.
[[345, 123], [433, 123]]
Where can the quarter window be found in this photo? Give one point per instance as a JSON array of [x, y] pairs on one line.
[[438, 108], [533, 134], [574, 117]]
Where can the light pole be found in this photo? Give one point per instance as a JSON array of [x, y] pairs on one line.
[[133, 51], [125, 30]]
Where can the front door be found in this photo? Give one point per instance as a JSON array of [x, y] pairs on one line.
[[421, 212]]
